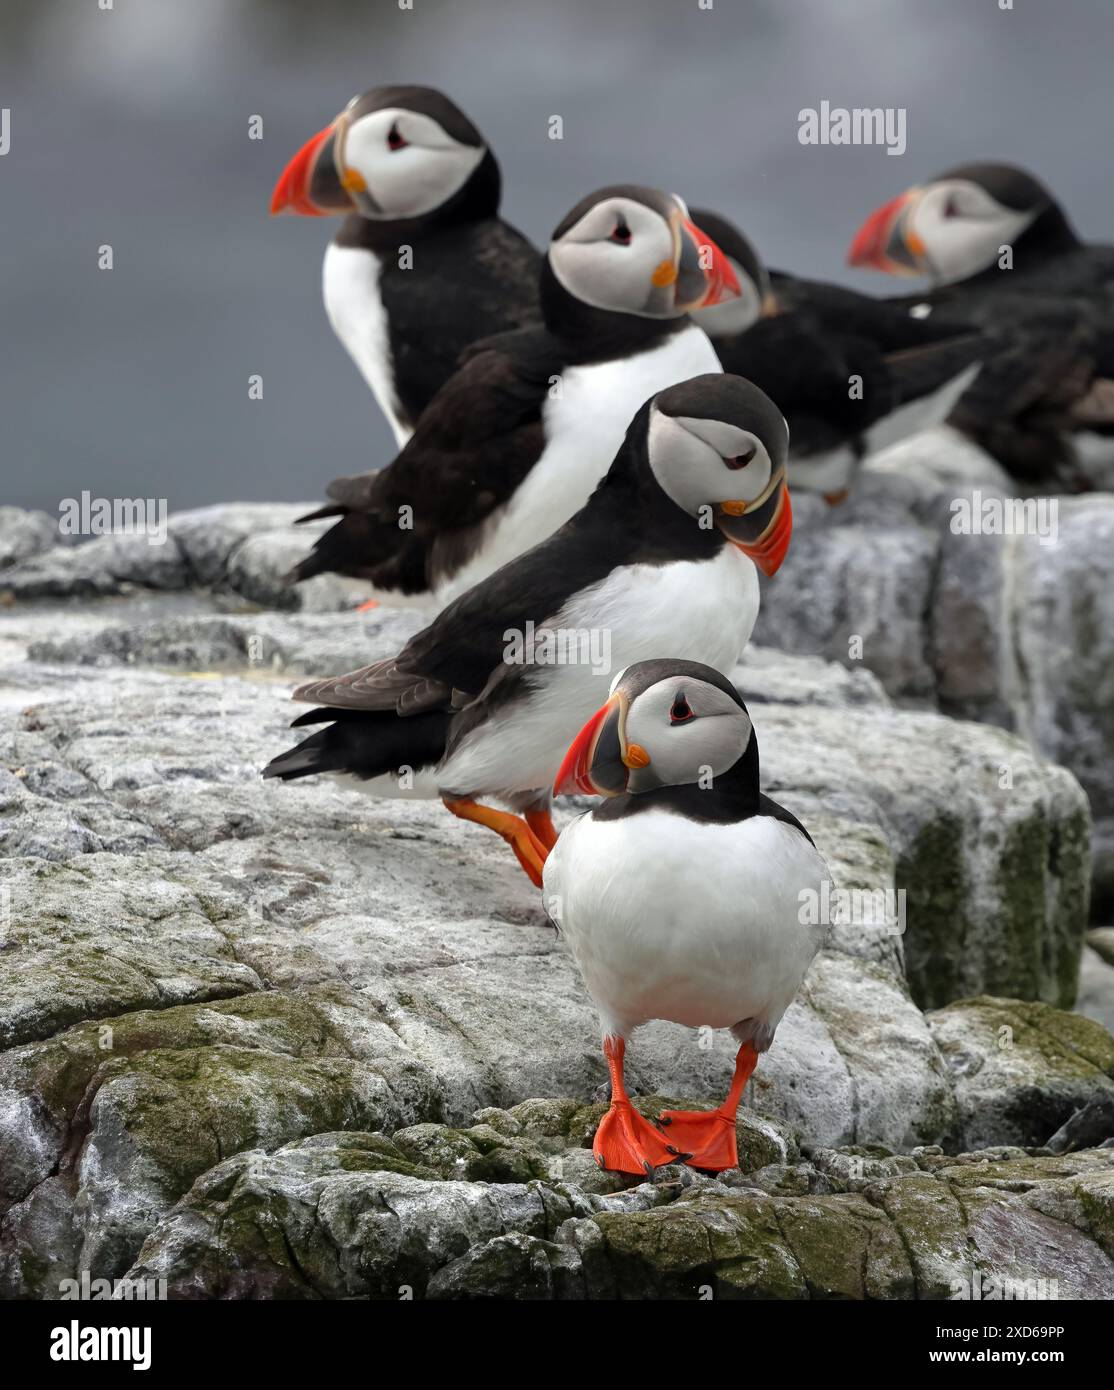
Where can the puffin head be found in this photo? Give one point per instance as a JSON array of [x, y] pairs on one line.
[[718, 448], [636, 251], [954, 226], [391, 154], [734, 316], [667, 723]]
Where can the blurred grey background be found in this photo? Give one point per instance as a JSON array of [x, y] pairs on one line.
[[129, 126]]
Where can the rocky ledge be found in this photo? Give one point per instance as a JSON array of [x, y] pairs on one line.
[[263, 1040], [513, 1208]]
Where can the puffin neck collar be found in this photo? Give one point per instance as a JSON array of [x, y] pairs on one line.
[[588, 334], [734, 795]]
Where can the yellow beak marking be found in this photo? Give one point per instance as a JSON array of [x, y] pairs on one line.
[[665, 274], [636, 756]]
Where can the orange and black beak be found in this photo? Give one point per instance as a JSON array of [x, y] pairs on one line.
[[763, 532], [310, 184], [600, 760], [703, 273], [886, 240]]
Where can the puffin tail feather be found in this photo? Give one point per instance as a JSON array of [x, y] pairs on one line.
[[363, 743], [363, 547]]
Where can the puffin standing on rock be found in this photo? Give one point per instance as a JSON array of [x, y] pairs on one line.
[[422, 264], [664, 556], [512, 445], [681, 895], [804, 343]]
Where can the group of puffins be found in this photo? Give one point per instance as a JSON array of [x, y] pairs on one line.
[[600, 440]]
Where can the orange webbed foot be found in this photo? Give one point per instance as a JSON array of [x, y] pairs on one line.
[[367, 607], [626, 1143], [707, 1136]]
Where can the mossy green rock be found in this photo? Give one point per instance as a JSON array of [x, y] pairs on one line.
[[349, 1216], [130, 1110], [1020, 1068]]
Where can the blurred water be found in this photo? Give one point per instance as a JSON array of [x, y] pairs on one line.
[[130, 127]]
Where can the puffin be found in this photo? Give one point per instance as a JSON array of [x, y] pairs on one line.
[[664, 555], [955, 229], [999, 251], [804, 344], [422, 263], [515, 441], [682, 895]]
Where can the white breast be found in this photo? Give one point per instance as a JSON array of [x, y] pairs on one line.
[[584, 426], [671, 918], [698, 611], [355, 310]]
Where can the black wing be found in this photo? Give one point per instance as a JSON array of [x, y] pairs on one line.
[[476, 280], [467, 651], [806, 370], [887, 323], [476, 442]]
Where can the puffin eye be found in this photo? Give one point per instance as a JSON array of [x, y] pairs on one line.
[[394, 140], [621, 234], [741, 460], [950, 208], [681, 711]]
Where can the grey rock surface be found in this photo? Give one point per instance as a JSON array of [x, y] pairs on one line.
[[1096, 988], [1024, 637], [854, 593], [25, 533], [1021, 1069], [242, 549], [1010, 629]]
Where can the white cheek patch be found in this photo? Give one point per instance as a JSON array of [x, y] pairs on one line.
[[683, 465], [603, 273], [711, 742], [970, 240], [687, 456], [415, 179]]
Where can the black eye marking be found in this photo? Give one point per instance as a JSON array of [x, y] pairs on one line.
[[395, 141], [621, 234], [681, 711], [741, 460], [950, 208]]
